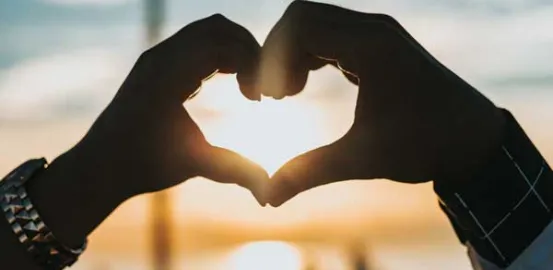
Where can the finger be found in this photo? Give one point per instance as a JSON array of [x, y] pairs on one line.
[[237, 52], [218, 24], [245, 65], [350, 75], [286, 58], [225, 166], [206, 47], [313, 30], [315, 63], [196, 157], [327, 164]]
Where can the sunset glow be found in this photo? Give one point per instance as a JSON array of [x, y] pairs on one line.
[[269, 132], [268, 255]]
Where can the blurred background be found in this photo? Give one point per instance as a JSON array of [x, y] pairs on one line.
[[61, 61]]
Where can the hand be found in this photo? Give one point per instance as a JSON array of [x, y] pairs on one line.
[[415, 120], [145, 140], [147, 135]]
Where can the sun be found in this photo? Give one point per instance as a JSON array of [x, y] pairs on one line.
[[269, 132], [268, 255]]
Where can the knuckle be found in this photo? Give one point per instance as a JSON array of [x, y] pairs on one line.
[[200, 26], [386, 18], [296, 16], [146, 55], [218, 18], [297, 8], [388, 21]]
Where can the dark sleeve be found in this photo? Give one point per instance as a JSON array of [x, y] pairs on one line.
[[507, 204]]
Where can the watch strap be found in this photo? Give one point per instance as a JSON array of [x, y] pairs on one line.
[[26, 222]]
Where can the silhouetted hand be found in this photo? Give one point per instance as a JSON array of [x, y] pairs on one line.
[[415, 120], [145, 141], [145, 135]]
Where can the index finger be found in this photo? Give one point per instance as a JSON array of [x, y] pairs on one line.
[[310, 35], [201, 49]]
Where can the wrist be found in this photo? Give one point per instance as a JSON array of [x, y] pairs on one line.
[[475, 141], [72, 196]]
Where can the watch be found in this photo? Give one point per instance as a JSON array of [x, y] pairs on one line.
[[26, 222]]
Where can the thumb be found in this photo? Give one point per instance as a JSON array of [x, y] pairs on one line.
[[324, 165], [225, 166]]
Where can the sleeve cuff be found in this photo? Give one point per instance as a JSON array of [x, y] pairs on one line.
[[507, 204]]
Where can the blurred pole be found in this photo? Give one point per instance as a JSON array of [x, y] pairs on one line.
[[357, 250], [161, 210]]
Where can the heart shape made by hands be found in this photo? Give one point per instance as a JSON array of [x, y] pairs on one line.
[[414, 118]]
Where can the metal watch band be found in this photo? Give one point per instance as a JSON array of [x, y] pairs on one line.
[[27, 224]]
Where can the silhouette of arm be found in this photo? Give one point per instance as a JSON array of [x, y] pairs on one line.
[[503, 213]]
